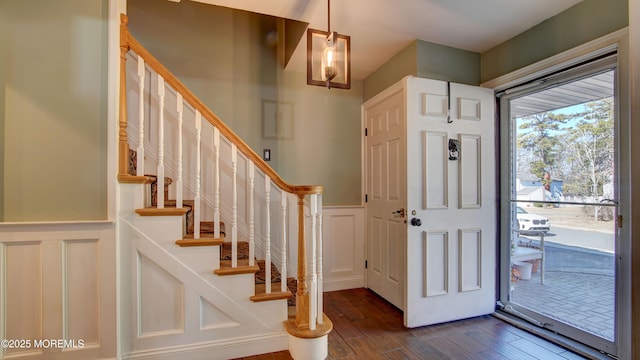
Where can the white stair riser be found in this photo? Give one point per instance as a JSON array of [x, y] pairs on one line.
[[230, 316]]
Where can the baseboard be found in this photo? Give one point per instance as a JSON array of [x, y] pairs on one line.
[[224, 349], [343, 284]]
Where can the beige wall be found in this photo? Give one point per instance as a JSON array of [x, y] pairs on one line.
[[54, 110], [225, 58]]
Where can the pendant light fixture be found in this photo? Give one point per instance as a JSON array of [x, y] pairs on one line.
[[328, 57]]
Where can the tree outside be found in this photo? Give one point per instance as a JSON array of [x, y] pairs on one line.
[[575, 145]]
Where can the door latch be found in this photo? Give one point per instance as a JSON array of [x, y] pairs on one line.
[[399, 212]]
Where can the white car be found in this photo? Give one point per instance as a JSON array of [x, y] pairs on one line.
[[531, 223]]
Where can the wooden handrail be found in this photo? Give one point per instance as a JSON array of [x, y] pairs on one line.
[[128, 42]]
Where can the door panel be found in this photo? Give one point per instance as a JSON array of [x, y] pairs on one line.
[[386, 230], [436, 188], [469, 176], [435, 263], [451, 256], [470, 259]]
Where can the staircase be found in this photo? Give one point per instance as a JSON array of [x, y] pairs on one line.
[[204, 252], [208, 238]]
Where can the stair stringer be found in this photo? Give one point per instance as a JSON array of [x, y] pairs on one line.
[[190, 311]]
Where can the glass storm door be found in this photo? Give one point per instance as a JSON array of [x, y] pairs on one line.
[[559, 210]]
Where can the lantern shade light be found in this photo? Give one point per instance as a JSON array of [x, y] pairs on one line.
[[328, 59]]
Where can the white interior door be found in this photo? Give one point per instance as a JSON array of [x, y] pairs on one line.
[[451, 255], [385, 178]]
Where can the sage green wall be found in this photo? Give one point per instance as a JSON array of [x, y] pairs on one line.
[[225, 57], [54, 110], [403, 64], [4, 50], [447, 63], [429, 60], [577, 25]]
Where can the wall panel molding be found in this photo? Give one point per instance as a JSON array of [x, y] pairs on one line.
[[57, 281], [343, 251]]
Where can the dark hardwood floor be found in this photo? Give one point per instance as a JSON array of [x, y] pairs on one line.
[[368, 327]]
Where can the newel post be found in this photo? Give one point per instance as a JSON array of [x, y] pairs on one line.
[[302, 295], [123, 144], [308, 337]]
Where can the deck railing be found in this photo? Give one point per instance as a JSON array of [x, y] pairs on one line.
[[177, 136]]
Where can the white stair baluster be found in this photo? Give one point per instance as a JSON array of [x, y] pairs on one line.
[[179, 109], [283, 267], [140, 150], [251, 215], [320, 242], [160, 179], [234, 207], [313, 290], [216, 184], [267, 230], [196, 199]]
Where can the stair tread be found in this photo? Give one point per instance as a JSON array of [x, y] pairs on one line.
[[167, 211], [202, 241], [204, 235], [276, 293], [242, 268]]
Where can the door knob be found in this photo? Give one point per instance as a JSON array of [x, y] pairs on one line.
[[416, 222], [400, 212]]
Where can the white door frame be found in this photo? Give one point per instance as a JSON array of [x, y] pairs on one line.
[[617, 40]]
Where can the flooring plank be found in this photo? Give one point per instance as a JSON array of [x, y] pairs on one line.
[[535, 349], [366, 327], [339, 348], [448, 348]]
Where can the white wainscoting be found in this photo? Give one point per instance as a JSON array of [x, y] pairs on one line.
[[343, 250], [58, 282]]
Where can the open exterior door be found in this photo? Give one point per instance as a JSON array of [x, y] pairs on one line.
[[386, 228], [451, 202]]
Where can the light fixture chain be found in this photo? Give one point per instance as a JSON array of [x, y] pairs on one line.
[[329, 16]]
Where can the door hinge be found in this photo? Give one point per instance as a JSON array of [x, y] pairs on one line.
[[366, 264], [619, 222], [366, 197], [366, 131]]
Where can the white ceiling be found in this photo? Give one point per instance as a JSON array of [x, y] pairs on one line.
[[379, 29]]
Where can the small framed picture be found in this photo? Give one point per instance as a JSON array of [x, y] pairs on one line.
[[277, 120]]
